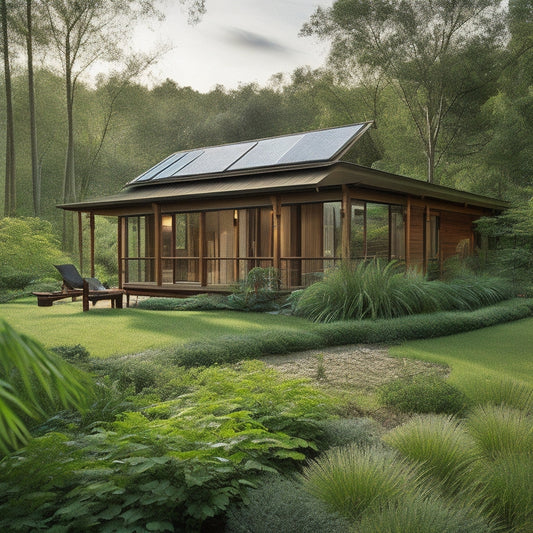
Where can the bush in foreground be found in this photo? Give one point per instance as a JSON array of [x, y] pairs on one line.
[[423, 394]]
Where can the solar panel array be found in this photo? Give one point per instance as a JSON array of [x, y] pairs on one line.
[[311, 147]]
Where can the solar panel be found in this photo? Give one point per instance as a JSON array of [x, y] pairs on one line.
[[320, 145], [216, 159], [188, 157], [301, 148], [266, 153], [152, 172]]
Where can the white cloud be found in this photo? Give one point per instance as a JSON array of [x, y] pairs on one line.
[[237, 41]]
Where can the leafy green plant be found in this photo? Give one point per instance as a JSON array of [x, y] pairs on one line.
[[76, 354], [350, 479], [170, 465], [32, 383], [423, 394], [280, 504], [258, 292]]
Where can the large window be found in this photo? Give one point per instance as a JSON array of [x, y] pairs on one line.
[[139, 261]]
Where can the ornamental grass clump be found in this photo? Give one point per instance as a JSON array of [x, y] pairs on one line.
[[376, 289], [439, 445], [350, 479], [503, 488], [500, 430], [509, 392], [424, 515]]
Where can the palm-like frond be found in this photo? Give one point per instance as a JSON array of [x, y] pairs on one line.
[[32, 381]]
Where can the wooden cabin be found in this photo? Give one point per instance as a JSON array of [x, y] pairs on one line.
[[201, 219]]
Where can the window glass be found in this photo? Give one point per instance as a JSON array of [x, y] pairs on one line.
[[377, 230], [332, 229]]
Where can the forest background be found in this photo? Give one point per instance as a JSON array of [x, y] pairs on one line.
[[449, 85]]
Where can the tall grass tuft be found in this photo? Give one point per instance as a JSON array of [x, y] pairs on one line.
[[350, 480], [424, 515], [500, 430], [504, 488], [438, 445], [509, 392], [377, 289]]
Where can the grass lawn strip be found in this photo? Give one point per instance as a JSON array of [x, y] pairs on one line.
[[493, 354]]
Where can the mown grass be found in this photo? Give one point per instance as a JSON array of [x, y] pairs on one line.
[[482, 358], [107, 332]]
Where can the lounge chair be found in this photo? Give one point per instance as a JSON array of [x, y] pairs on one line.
[[91, 290]]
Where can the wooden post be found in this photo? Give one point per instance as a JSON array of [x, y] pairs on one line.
[[427, 238], [276, 228], [120, 245], [80, 239], [408, 233], [157, 244], [91, 225], [346, 219], [236, 245], [202, 245]]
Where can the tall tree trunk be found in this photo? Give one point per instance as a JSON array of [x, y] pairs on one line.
[[35, 167], [10, 205], [69, 180]]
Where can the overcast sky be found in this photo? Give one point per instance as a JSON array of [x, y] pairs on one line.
[[237, 41]]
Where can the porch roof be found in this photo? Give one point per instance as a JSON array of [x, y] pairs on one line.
[[324, 176], [288, 163]]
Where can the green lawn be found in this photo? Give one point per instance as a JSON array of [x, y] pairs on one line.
[[490, 354], [106, 332]]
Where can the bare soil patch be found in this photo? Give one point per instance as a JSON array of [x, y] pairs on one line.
[[358, 366], [354, 368]]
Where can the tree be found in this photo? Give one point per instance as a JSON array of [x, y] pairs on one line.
[[10, 205], [31, 382], [35, 167], [440, 56], [82, 33]]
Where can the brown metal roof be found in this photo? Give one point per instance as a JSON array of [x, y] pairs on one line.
[[331, 175]]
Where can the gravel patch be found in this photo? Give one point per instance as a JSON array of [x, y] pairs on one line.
[[354, 366]]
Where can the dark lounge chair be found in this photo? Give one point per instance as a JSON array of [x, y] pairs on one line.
[[91, 290]]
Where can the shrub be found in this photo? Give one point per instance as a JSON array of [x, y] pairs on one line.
[[280, 504], [258, 292], [361, 432], [423, 394], [424, 515], [350, 480], [76, 354], [438, 444], [28, 250]]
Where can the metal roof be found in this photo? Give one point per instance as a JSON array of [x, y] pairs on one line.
[[324, 176]]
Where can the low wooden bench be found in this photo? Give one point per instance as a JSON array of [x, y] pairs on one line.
[[46, 299], [115, 295]]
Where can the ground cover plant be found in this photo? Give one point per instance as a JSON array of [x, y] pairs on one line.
[[377, 289], [164, 466]]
